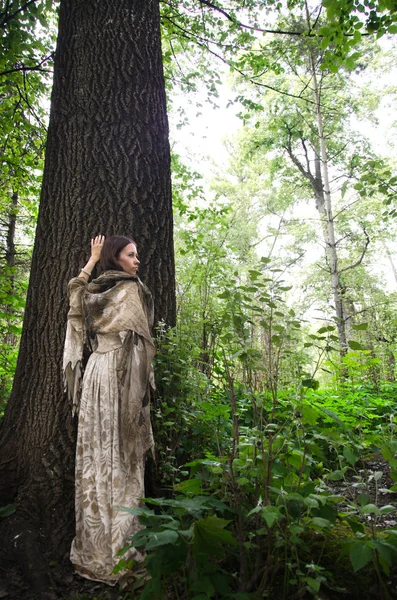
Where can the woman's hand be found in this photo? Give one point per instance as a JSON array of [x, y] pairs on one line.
[[96, 247]]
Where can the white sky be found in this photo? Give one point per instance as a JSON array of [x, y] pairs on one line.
[[200, 141]]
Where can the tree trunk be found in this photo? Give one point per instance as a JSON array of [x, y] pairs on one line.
[[107, 171], [326, 207], [391, 261], [9, 338]]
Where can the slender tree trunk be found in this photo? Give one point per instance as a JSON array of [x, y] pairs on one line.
[[11, 259], [107, 170], [392, 265], [9, 339], [10, 245], [325, 207]]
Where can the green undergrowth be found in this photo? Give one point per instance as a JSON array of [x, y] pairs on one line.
[[282, 503], [277, 478]]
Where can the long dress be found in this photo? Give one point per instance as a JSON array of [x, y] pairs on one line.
[[112, 315]]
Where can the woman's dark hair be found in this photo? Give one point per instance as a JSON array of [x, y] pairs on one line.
[[111, 251]]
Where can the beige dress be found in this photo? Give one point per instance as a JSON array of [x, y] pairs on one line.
[[114, 430]]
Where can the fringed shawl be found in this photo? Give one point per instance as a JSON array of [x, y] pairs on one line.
[[114, 302]]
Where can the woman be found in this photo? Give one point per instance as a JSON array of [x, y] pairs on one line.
[[112, 316]]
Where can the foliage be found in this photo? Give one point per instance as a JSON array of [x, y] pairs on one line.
[[264, 434], [349, 21], [271, 462], [309, 446], [25, 68]]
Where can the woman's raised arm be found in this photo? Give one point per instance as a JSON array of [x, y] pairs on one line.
[[96, 249]]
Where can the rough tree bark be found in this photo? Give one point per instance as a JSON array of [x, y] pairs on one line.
[[107, 170]]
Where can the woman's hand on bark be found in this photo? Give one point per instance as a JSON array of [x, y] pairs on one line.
[[96, 247]]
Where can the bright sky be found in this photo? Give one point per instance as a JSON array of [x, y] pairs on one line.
[[201, 139]]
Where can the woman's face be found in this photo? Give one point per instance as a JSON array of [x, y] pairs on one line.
[[128, 259]]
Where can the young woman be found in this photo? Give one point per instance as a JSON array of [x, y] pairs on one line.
[[112, 316]]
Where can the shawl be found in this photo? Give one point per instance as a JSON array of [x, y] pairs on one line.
[[114, 302]]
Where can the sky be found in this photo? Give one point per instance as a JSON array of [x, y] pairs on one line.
[[200, 140]]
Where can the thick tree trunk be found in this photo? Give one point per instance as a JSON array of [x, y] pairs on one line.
[[107, 171]]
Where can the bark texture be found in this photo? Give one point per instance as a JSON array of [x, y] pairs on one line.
[[107, 171]]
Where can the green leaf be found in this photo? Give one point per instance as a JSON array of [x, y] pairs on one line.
[[344, 188], [161, 538], [189, 487], [204, 587], [310, 414], [336, 475], [370, 509], [386, 554], [210, 535], [325, 329], [356, 525], [243, 481], [387, 509], [311, 383], [349, 455], [355, 345], [388, 451], [8, 510], [349, 63], [271, 514], [360, 554], [313, 584], [193, 506], [331, 414], [322, 523], [363, 499]]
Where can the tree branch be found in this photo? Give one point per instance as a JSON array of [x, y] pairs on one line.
[[298, 164], [26, 69], [202, 43], [360, 260], [240, 24], [307, 158], [3, 15]]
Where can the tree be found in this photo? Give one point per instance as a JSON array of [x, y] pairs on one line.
[[24, 83], [308, 120], [107, 170]]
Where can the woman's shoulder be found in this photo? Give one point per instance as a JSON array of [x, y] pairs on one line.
[[76, 285], [77, 282]]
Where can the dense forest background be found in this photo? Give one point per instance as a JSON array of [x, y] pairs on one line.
[[274, 417]]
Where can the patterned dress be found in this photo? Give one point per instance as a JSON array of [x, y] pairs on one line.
[[114, 430]]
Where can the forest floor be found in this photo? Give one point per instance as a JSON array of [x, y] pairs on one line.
[[352, 586]]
